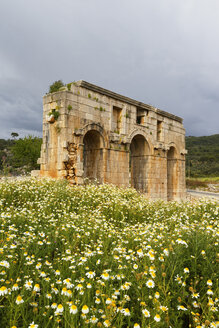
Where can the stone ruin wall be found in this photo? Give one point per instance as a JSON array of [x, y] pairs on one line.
[[100, 135]]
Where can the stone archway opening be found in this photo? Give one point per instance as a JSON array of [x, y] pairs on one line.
[[93, 156], [172, 180], [139, 151]]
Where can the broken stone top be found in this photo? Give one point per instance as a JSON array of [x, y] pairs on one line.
[[117, 96]]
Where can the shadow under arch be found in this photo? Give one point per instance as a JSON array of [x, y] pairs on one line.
[[139, 162], [93, 145], [172, 174]]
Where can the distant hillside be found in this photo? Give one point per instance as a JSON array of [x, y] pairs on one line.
[[19, 156], [203, 156]]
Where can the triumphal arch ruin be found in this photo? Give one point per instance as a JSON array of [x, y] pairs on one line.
[[95, 134]]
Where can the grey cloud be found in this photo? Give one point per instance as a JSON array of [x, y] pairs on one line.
[[160, 52], [21, 111]]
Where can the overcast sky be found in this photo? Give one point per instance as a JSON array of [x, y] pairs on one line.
[[160, 52]]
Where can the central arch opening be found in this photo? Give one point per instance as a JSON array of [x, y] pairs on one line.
[[93, 156], [171, 173], [139, 151]]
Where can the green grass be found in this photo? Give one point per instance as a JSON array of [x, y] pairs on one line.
[[210, 179], [206, 179], [99, 256], [204, 182]]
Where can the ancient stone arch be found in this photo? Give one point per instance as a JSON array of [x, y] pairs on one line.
[[176, 150], [96, 134], [95, 127], [143, 133]]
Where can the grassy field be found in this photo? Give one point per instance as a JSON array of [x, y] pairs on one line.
[[205, 183], [99, 256], [206, 179]]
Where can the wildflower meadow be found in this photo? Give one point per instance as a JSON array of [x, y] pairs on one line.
[[100, 256]]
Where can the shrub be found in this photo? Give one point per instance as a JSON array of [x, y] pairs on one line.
[[56, 86]]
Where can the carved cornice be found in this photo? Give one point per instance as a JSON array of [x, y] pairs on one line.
[[184, 152], [78, 132], [114, 137], [160, 145]]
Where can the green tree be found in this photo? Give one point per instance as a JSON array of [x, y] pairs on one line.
[[14, 135], [25, 152], [56, 86]]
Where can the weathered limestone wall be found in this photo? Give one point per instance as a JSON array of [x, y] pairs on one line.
[[90, 132]]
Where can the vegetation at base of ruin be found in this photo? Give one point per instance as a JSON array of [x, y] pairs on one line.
[[100, 256], [202, 159], [206, 184], [19, 156], [195, 183], [56, 86], [202, 182], [208, 179]]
